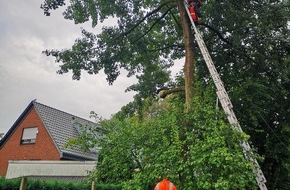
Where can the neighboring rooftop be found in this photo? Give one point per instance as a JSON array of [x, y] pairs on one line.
[[61, 126]]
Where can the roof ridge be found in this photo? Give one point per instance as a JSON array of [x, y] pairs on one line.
[[73, 116]]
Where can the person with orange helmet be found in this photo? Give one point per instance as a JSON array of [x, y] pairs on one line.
[[192, 12], [165, 185], [194, 9]]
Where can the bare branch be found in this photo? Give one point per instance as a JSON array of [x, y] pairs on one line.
[[144, 18], [160, 18]]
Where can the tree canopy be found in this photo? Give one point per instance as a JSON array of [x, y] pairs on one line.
[[139, 153], [253, 60], [145, 40], [248, 41]]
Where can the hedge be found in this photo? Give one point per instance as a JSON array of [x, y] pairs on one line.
[[14, 184]]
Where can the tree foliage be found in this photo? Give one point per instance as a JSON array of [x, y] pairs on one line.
[[145, 40], [139, 154], [253, 59]]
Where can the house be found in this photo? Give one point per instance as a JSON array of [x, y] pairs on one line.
[[40, 133]]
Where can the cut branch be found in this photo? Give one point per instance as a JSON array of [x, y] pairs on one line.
[[165, 93]]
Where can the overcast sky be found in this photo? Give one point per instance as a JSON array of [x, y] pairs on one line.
[[26, 74]]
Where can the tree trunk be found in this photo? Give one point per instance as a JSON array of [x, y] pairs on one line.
[[188, 70], [189, 64]]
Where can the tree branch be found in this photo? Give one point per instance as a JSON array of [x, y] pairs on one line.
[[175, 19], [160, 18], [137, 160], [144, 18], [240, 49], [164, 93], [167, 47], [216, 32]]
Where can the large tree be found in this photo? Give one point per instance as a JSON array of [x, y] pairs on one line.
[[147, 33], [248, 40]]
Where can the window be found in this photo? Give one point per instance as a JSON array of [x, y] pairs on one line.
[[29, 135]]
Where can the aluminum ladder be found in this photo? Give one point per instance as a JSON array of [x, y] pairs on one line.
[[226, 102]]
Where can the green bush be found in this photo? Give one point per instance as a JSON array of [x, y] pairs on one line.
[[9, 184], [53, 185]]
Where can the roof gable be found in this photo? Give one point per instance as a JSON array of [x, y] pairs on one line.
[[60, 126], [15, 125]]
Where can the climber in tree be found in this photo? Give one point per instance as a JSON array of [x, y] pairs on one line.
[[193, 11]]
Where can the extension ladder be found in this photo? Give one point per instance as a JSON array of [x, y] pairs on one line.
[[226, 102]]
